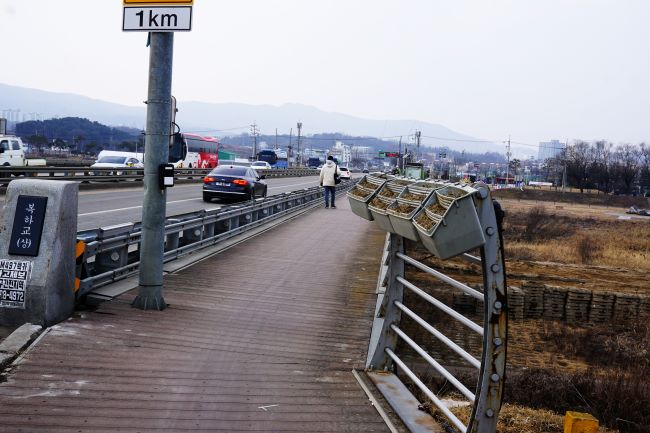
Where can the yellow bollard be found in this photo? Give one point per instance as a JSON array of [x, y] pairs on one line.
[[577, 422]]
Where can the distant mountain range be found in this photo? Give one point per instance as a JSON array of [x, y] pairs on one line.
[[221, 119]]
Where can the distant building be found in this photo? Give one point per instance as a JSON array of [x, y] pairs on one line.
[[549, 149], [341, 152]]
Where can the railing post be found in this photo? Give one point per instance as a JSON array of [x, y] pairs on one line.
[[387, 314], [116, 257], [172, 240], [493, 366]]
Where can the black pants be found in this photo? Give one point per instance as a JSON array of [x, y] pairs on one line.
[[330, 191]]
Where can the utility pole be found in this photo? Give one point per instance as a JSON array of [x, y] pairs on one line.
[[508, 164], [418, 135], [254, 134], [400, 158], [290, 149], [298, 145], [276, 138], [157, 139], [566, 150]]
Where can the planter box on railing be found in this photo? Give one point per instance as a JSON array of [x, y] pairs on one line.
[[386, 196], [364, 191], [448, 223]]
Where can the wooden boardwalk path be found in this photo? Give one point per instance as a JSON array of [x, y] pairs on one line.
[[261, 338]]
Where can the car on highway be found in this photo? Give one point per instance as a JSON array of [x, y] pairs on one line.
[[233, 182], [345, 173], [117, 161], [261, 165]]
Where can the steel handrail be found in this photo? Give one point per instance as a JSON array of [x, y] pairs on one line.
[[439, 335], [434, 398], [441, 306]]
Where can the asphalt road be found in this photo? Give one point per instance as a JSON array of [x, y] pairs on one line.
[[101, 208]]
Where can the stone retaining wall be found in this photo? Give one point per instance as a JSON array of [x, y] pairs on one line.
[[573, 305]]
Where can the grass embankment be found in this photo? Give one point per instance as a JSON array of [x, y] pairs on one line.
[[541, 235]]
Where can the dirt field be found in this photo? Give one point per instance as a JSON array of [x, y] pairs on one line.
[[595, 247]]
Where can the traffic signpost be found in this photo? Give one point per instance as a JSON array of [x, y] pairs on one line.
[[157, 15], [161, 18]]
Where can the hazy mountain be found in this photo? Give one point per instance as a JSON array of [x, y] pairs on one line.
[[209, 118]]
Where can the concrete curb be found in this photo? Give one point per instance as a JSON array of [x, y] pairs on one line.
[[14, 344]]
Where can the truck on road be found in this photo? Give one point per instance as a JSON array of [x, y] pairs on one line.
[[12, 153]]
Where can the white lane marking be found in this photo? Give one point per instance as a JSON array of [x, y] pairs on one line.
[[180, 201], [133, 207], [265, 408], [293, 184]]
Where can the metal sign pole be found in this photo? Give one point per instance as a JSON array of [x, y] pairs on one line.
[[150, 296]]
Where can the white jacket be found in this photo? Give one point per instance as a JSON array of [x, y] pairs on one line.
[[327, 173]]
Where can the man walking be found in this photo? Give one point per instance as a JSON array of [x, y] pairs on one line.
[[328, 180]]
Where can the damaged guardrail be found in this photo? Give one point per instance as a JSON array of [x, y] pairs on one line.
[[110, 254]]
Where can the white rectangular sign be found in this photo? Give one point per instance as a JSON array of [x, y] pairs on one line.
[[14, 275], [157, 19]]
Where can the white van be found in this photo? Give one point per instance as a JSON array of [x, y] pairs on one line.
[[11, 151]]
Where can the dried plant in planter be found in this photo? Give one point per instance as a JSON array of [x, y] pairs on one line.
[[424, 221], [437, 208], [359, 193], [455, 193], [404, 208], [386, 192], [365, 184], [378, 203], [412, 197]]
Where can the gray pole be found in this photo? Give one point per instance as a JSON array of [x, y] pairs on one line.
[[299, 156], [150, 296]]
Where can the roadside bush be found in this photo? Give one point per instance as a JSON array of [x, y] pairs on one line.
[[538, 224], [618, 397], [588, 250]]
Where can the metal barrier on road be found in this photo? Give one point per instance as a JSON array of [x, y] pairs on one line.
[[112, 254], [88, 174]]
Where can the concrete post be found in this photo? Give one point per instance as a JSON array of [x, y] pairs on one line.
[[37, 284], [150, 296]]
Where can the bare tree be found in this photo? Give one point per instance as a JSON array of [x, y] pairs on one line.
[[628, 158], [579, 159], [601, 166], [644, 160]]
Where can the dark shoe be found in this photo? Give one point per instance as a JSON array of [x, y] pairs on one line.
[[326, 206]]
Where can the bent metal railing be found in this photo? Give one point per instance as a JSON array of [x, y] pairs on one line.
[[383, 359], [109, 254]]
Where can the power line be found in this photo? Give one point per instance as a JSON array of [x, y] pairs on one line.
[[219, 130], [458, 139]]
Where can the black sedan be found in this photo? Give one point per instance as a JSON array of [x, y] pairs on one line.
[[233, 182]]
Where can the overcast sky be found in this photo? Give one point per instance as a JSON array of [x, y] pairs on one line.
[[534, 69]]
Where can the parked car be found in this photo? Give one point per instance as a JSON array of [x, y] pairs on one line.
[[261, 165], [345, 173], [365, 171], [233, 182]]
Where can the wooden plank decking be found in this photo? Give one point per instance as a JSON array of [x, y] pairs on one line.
[[261, 338]]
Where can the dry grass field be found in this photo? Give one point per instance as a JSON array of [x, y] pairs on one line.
[[599, 368]]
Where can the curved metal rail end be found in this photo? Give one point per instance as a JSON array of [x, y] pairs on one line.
[[384, 361]]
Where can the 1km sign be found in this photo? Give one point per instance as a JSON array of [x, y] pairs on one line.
[[157, 15]]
